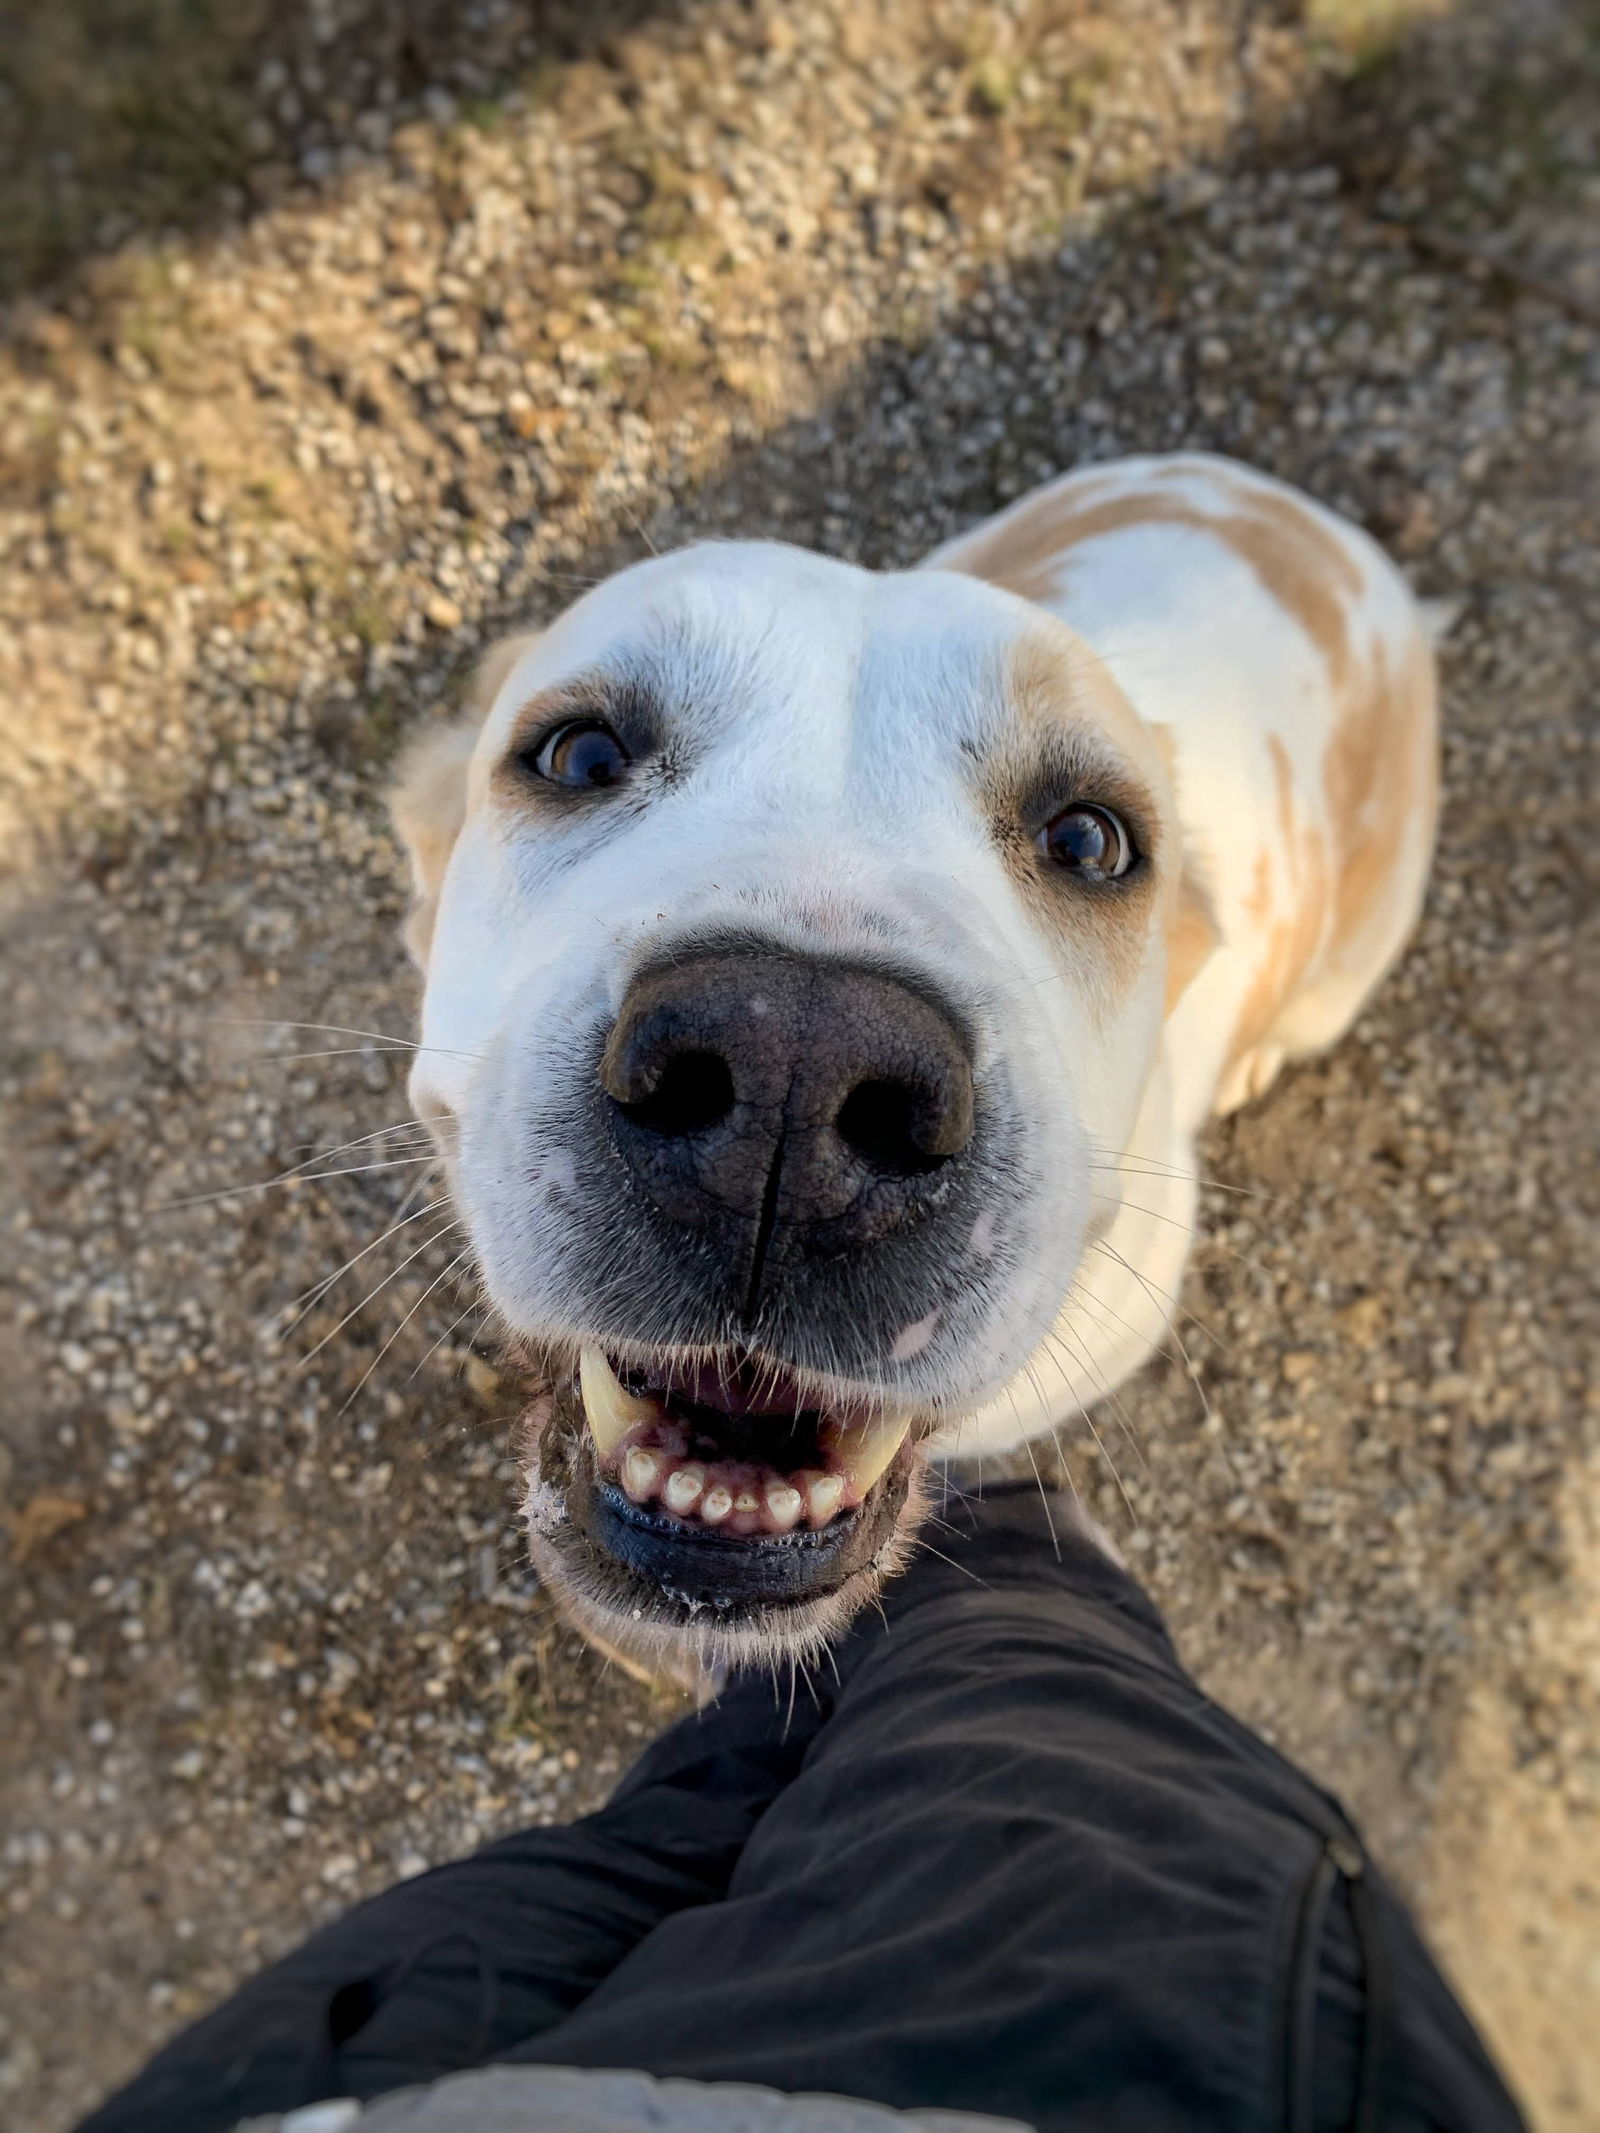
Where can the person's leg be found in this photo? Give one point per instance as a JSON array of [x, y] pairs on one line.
[[1027, 1867], [458, 1964], [1002, 1853]]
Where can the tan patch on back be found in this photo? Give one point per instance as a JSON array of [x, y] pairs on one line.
[[1380, 786], [1192, 935], [1294, 938], [1304, 567], [1283, 786], [1192, 930], [1258, 903], [1381, 779]]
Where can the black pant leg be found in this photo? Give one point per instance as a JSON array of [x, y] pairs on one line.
[[1024, 1865], [1029, 1868]]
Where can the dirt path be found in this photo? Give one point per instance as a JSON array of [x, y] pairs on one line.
[[428, 352]]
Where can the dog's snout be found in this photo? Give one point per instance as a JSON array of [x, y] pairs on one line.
[[811, 1100]]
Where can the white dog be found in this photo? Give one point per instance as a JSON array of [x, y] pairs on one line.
[[828, 973]]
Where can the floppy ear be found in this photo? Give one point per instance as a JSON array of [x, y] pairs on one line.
[[1192, 934], [428, 798]]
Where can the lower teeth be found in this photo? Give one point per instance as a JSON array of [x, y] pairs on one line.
[[691, 1490], [745, 1502]]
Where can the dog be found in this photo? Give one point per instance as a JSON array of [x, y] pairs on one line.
[[827, 973]]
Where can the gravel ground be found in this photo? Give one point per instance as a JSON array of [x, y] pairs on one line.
[[476, 317]]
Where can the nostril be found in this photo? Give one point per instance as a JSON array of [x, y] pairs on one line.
[[894, 1127], [693, 1092]]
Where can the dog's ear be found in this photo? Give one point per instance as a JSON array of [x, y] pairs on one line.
[[428, 798], [1192, 934]]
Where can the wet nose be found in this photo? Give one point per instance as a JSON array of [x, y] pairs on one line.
[[806, 1104]]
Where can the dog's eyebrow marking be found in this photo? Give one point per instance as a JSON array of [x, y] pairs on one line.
[[1069, 736], [1061, 743]]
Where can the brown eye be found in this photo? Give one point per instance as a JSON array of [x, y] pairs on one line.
[[581, 755], [1088, 840]]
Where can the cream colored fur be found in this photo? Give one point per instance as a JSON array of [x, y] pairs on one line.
[[1250, 658]]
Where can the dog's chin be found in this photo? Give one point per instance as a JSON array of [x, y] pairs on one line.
[[715, 1517]]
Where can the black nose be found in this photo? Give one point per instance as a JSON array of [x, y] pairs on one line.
[[805, 1105]]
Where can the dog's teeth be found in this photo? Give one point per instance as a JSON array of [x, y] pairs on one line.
[[641, 1474], [747, 1500], [681, 1490], [784, 1505], [716, 1504], [824, 1493], [864, 1450], [608, 1406]]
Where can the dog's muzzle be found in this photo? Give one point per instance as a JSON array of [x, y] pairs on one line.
[[792, 1136]]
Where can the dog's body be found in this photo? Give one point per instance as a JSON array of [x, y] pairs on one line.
[[828, 975]]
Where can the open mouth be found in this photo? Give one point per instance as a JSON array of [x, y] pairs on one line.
[[721, 1483], [732, 1448]]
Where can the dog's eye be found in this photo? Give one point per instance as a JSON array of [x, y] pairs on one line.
[[583, 754], [1091, 840]]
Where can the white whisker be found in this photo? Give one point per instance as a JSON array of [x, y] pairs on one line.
[[314, 1154], [308, 1299], [475, 1305], [1080, 1357], [1107, 1200], [333, 1029], [919, 1542], [357, 1309], [443, 1275], [1044, 1497], [359, 1051], [1188, 1359], [1154, 1166], [1153, 1289], [299, 1174], [1065, 1465]]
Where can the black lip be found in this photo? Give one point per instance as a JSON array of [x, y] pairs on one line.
[[719, 1569]]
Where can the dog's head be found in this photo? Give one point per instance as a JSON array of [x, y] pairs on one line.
[[794, 937]]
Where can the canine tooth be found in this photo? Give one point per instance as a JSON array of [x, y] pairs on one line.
[[784, 1505], [716, 1504], [641, 1473], [824, 1494], [608, 1406], [681, 1490], [864, 1451]]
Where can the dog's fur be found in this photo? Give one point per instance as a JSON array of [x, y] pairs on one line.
[[847, 767]]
